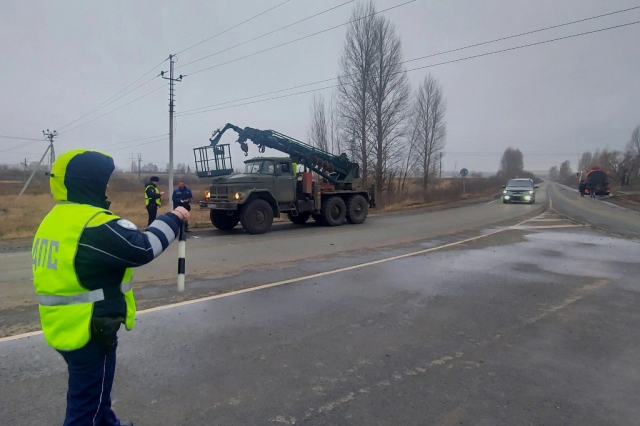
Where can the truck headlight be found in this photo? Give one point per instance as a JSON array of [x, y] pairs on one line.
[[207, 195], [237, 196], [505, 192], [531, 192]]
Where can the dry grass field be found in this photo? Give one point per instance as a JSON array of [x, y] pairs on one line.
[[20, 218]]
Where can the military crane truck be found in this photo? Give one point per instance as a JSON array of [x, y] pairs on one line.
[[270, 186]]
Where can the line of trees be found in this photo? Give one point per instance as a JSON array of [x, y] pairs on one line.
[[623, 166], [373, 116]]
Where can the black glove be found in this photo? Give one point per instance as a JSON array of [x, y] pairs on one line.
[[104, 332]]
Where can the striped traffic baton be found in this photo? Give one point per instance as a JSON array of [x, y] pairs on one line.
[[182, 248]]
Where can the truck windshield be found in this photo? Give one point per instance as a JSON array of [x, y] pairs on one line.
[[259, 167]]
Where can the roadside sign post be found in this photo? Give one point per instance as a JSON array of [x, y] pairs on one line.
[[463, 173]]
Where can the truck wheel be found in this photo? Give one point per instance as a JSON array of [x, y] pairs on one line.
[[357, 209], [222, 220], [334, 211], [301, 219], [257, 217]]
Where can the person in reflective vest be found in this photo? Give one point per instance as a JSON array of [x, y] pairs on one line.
[[82, 260], [152, 198]]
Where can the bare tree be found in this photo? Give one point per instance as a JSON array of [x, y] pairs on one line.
[[317, 132], [565, 171], [619, 164], [411, 159], [633, 147], [585, 161], [389, 100], [334, 127], [553, 173], [512, 163], [357, 65], [429, 124]]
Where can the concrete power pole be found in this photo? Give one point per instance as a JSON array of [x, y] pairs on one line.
[[52, 153], [52, 157], [171, 112], [139, 165]]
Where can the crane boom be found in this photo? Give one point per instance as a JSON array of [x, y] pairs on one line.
[[336, 169]]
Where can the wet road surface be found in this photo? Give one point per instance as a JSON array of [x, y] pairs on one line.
[[531, 323], [217, 255]]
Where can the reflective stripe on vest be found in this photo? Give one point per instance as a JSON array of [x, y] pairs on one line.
[[65, 306], [88, 297], [148, 200]]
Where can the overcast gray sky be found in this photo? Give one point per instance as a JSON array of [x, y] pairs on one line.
[[61, 59]]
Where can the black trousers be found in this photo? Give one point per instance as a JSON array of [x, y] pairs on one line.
[[90, 380], [152, 209]]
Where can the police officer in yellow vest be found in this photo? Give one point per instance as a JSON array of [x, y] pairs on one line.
[[152, 198], [82, 259]]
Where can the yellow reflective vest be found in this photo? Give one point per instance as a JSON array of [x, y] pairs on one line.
[[148, 200], [65, 306]]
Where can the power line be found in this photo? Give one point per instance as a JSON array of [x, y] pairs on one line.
[[19, 138], [525, 33], [422, 57], [299, 39], [265, 34], [140, 144], [107, 103], [235, 26], [424, 67], [120, 107], [111, 100], [527, 45], [22, 145]]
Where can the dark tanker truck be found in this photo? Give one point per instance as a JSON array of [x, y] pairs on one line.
[[595, 180], [270, 186]]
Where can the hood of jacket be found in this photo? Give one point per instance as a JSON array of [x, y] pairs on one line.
[[81, 176]]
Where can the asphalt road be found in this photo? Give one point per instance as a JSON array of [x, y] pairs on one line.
[[215, 254], [501, 322]]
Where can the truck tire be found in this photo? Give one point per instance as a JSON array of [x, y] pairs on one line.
[[301, 219], [257, 217], [334, 210], [357, 209], [221, 220]]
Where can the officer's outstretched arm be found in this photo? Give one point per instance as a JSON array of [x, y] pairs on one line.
[[119, 243]]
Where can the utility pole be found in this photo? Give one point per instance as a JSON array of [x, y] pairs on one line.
[[52, 153], [52, 157], [171, 109], [440, 176], [25, 167], [139, 165]]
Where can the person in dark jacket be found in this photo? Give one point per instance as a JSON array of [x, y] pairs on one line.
[[592, 188], [182, 197], [152, 198], [83, 255]]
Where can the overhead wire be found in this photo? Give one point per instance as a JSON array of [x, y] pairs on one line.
[[422, 57], [111, 100], [266, 34], [426, 66], [107, 103], [298, 39], [234, 27], [114, 110]]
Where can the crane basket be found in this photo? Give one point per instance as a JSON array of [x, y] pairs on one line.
[[212, 161]]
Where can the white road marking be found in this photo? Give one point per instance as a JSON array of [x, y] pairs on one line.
[[491, 202], [615, 205], [294, 280]]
